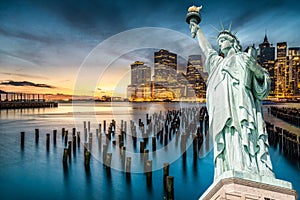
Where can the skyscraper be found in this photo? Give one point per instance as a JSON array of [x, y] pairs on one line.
[[281, 69], [294, 70], [267, 51], [140, 73], [165, 67], [196, 77], [140, 81], [196, 61], [267, 60]]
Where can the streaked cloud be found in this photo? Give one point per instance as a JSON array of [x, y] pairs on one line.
[[26, 83]]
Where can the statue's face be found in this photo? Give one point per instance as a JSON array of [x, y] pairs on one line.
[[224, 44]]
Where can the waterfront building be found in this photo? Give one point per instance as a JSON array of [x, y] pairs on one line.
[[281, 71], [196, 61], [267, 60], [140, 73], [165, 67], [140, 81], [196, 77], [294, 70]]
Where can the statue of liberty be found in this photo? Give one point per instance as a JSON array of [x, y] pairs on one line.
[[235, 88]]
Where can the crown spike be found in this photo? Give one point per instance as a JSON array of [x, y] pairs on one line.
[[229, 28], [223, 29], [215, 28]]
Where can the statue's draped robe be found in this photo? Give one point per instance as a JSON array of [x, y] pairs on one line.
[[236, 118]]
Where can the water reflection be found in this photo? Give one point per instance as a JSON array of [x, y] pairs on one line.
[[111, 183], [66, 173], [88, 175], [149, 183]]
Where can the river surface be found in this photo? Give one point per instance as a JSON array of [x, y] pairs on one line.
[[33, 172]]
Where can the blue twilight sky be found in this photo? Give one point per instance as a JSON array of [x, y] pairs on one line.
[[44, 43]]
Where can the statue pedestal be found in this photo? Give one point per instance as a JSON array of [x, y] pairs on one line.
[[239, 185]]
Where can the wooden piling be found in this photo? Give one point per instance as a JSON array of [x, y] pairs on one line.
[[170, 187], [85, 134], [153, 144], [128, 165], [65, 156], [123, 152], [74, 143], [166, 173], [108, 135], [195, 146], [69, 148], [47, 141], [104, 152], [90, 141], [149, 169], [161, 133], [99, 127], [36, 135], [108, 160], [122, 124], [183, 145], [22, 139], [125, 127], [66, 137], [206, 124], [54, 136], [142, 146], [146, 157], [84, 124], [104, 126], [62, 132], [121, 142], [87, 156], [73, 131], [78, 139], [99, 140], [166, 137]]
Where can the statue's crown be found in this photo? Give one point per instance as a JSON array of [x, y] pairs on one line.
[[226, 32]]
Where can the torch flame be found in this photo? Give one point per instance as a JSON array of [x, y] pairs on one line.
[[194, 9]]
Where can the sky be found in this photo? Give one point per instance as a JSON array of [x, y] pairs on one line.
[[86, 47]]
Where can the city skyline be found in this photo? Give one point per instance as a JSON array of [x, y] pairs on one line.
[[44, 44]]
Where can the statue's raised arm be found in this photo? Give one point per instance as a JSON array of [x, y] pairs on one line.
[[202, 40], [194, 18]]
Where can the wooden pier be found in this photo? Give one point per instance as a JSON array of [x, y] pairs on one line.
[[11, 100]]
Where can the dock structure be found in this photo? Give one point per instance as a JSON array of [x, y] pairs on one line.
[[283, 129], [13, 100]]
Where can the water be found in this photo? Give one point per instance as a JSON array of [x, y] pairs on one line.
[[35, 173]]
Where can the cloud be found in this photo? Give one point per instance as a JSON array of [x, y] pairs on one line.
[[28, 36], [26, 83], [22, 75]]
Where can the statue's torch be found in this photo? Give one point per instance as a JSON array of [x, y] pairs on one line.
[[193, 15]]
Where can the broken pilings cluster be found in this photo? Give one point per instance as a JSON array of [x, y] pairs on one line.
[[155, 132], [288, 142], [290, 115]]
